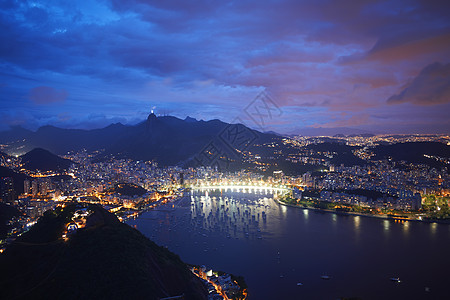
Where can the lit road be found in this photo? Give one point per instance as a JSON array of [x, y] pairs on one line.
[[242, 188]]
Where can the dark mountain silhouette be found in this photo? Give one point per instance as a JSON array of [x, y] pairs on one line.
[[414, 152], [59, 140], [342, 153], [272, 132], [105, 260], [167, 140], [362, 135], [190, 119], [43, 160], [15, 133], [331, 147]]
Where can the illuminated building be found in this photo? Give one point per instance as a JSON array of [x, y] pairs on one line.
[[26, 186], [278, 176], [34, 187], [7, 189]]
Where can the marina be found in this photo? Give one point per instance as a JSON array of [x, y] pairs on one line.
[[279, 249]]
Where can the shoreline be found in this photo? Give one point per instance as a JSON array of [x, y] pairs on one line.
[[383, 217]]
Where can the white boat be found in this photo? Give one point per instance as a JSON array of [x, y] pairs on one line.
[[299, 284], [325, 277], [396, 279]]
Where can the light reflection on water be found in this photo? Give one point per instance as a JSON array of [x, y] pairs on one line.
[[433, 228], [306, 214], [283, 210], [234, 218], [406, 227], [386, 225], [356, 222]]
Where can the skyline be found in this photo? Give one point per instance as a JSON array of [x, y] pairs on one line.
[[378, 67]]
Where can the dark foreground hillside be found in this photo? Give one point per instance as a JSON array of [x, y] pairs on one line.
[[105, 260]]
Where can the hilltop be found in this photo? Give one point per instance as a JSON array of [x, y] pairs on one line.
[[105, 260], [43, 160]]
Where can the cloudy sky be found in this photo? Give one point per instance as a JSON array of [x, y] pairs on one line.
[[381, 66]]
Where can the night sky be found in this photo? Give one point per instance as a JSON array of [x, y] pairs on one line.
[[381, 66]]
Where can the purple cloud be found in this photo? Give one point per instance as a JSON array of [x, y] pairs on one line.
[[333, 57], [430, 87], [47, 95]]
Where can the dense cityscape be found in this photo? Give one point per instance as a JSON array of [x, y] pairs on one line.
[[207, 150], [126, 187]]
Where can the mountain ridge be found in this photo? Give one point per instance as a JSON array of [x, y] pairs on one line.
[[167, 140]]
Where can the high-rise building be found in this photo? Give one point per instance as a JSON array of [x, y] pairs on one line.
[[417, 201], [307, 179], [7, 193], [181, 178], [278, 176], [34, 187], [26, 186], [44, 186]]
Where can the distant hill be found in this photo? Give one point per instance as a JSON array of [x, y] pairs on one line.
[[273, 133], [331, 147], [362, 135], [190, 119], [344, 154], [15, 133], [59, 140], [414, 152], [43, 160], [128, 189], [321, 131], [105, 260]]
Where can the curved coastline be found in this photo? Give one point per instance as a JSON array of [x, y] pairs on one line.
[[342, 213]]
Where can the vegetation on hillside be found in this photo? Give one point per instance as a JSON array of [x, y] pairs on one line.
[[105, 260]]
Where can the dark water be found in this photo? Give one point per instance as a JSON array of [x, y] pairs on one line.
[[229, 232]]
